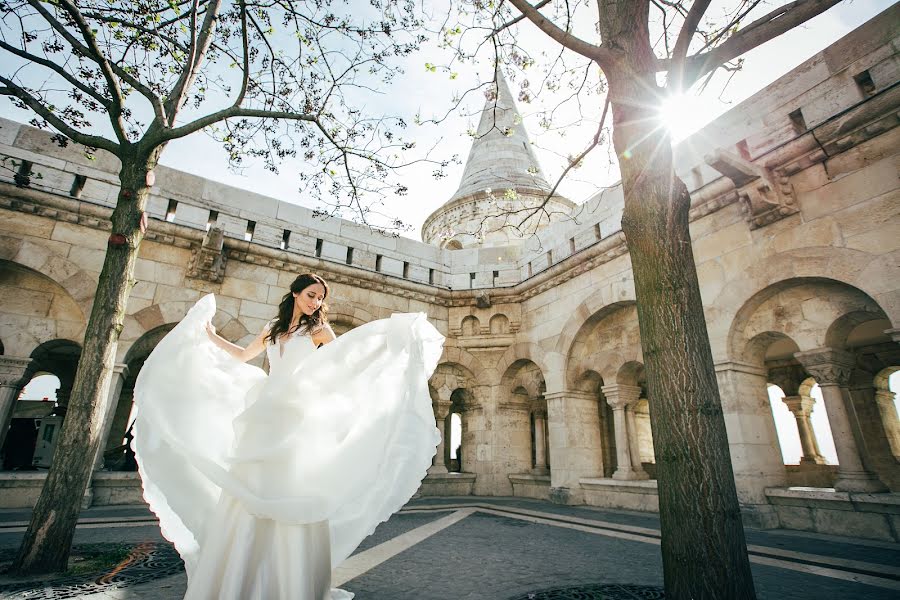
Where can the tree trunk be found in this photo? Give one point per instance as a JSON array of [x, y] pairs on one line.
[[703, 547], [48, 540]]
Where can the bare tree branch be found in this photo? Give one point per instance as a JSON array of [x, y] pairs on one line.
[[573, 43], [762, 30], [95, 141]]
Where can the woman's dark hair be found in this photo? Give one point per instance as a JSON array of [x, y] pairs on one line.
[[308, 323]]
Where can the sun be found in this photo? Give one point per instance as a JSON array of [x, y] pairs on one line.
[[683, 115]]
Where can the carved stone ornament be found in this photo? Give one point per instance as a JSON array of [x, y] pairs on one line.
[[766, 196], [828, 366], [208, 261], [13, 370], [621, 396]]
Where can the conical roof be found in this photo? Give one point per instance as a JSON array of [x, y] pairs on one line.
[[501, 156]]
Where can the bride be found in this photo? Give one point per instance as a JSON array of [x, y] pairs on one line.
[[264, 483]]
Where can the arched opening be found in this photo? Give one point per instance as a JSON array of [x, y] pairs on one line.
[[523, 413], [455, 465], [470, 325], [37, 415]]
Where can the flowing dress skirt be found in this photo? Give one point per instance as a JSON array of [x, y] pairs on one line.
[[264, 483]]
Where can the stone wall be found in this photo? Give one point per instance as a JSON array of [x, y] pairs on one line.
[[794, 225]]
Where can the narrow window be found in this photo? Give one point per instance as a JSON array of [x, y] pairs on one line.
[[248, 235], [496, 277], [549, 257], [530, 269], [571, 245], [405, 270], [431, 276], [286, 239], [797, 121], [349, 255], [318, 248], [170, 211], [471, 280], [597, 233], [864, 82], [78, 186], [211, 221], [378, 262]]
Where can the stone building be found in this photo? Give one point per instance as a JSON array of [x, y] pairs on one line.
[[794, 225]]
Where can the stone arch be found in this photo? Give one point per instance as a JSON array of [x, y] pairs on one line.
[[499, 324], [811, 263], [631, 373], [622, 346], [522, 413], [81, 285], [470, 325], [344, 317], [36, 309], [452, 244], [857, 328], [811, 311], [596, 306], [525, 351], [466, 360], [167, 314]]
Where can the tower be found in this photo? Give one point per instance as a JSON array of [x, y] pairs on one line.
[[502, 187]]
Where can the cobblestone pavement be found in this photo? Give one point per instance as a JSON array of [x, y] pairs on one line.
[[504, 548]]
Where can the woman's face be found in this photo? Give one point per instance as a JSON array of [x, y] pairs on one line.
[[310, 298]]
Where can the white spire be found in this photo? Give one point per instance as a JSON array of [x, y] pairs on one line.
[[501, 156]]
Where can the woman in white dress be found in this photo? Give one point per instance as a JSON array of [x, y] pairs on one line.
[[264, 483]]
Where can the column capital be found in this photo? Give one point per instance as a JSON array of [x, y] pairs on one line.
[[620, 395], [577, 394], [788, 378], [120, 369], [13, 370], [800, 406], [828, 366], [441, 409]]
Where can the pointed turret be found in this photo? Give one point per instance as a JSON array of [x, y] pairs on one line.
[[501, 156], [502, 175]]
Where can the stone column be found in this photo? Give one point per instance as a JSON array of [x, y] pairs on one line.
[[831, 369], [13, 374], [752, 439], [540, 444], [576, 442], [619, 396], [888, 410], [802, 407], [120, 372], [634, 442], [120, 419], [441, 410]]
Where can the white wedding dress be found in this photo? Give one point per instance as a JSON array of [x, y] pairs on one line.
[[264, 483]]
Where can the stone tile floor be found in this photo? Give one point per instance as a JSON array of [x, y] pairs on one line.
[[506, 548]]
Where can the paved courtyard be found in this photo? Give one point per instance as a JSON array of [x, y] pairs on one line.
[[494, 549]]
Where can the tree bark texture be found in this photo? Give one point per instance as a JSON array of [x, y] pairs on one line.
[[48, 539], [703, 546]]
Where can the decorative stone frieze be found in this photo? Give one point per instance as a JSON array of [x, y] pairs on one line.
[[208, 261], [766, 195], [828, 366]]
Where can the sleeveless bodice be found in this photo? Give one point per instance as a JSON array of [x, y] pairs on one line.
[[289, 351]]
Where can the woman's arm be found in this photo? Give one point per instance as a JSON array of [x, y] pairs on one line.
[[242, 354], [323, 335]]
